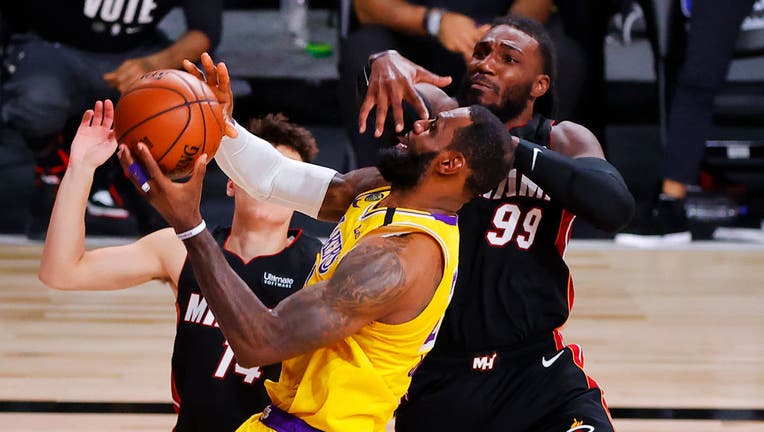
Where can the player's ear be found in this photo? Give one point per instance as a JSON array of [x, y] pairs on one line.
[[229, 190], [540, 85], [450, 162]]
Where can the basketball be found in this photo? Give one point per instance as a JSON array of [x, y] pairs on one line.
[[173, 113]]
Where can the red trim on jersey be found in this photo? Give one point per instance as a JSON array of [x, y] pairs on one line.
[[173, 389], [175, 395], [571, 294], [564, 232], [291, 243], [578, 359], [551, 137], [559, 343], [117, 197]]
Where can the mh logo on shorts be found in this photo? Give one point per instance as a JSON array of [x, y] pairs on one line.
[[484, 363], [578, 425]]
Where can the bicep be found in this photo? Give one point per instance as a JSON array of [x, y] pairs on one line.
[[154, 256], [366, 286], [575, 141]]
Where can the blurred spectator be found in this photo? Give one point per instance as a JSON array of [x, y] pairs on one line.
[[439, 35], [710, 45], [76, 52], [586, 22]]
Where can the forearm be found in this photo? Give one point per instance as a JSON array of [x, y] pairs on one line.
[[65, 241], [589, 187], [189, 46], [253, 164], [398, 15], [248, 325], [538, 10]]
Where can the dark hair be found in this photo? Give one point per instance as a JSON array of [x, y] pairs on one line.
[[487, 146], [546, 104], [277, 130]]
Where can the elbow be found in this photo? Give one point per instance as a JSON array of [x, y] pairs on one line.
[[246, 361], [53, 279], [621, 211]]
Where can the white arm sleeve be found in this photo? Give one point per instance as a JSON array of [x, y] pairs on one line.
[[261, 170]]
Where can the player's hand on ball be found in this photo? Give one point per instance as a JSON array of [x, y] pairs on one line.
[[217, 78], [178, 203], [94, 141]]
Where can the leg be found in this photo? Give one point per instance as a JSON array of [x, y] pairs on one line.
[[571, 73], [710, 45], [447, 400], [585, 21], [576, 399]]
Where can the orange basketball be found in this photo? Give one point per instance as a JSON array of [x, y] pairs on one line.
[[175, 114]]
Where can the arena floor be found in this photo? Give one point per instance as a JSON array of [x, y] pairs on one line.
[[674, 336]]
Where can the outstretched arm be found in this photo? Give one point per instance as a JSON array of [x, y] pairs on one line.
[[381, 279], [264, 173], [577, 176], [65, 263]]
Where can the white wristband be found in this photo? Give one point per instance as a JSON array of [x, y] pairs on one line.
[[192, 232]]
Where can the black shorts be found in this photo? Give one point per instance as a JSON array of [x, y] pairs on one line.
[[540, 389]]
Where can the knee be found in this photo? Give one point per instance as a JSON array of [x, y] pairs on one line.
[[37, 105]]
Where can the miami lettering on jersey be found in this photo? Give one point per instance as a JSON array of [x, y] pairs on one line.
[[198, 312], [511, 187]]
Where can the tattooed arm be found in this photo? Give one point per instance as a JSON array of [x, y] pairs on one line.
[[387, 279]]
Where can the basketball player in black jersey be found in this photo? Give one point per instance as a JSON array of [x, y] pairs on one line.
[[211, 392], [500, 363]]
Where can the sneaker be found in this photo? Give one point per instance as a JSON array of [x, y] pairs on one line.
[[666, 224], [107, 203]]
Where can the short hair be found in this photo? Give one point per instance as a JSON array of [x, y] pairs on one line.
[[278, 130], [487, 146], [546, 104]]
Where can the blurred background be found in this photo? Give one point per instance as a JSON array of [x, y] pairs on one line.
[[619, 62]]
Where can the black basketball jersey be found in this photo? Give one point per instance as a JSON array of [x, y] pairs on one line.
[[513, 283], [210, 391]]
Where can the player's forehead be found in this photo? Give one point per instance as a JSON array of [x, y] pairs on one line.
[[508, 37], [457, 117]]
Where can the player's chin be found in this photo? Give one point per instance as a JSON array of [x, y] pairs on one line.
[[479, 95]]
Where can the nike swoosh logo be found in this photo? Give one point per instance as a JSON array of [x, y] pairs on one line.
[[546, 363], [536, 152]]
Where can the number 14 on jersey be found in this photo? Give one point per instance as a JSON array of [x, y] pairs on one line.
[[250, 374]]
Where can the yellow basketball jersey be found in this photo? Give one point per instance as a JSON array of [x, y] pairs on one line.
[[357, 383]]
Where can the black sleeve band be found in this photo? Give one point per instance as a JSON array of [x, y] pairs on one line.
[[589, 187]]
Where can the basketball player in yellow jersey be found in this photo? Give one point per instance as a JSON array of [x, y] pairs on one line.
[[352, 337]]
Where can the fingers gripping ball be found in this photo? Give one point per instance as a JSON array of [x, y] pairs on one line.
[[175, 114]]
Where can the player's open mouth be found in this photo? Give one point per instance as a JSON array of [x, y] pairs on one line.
[[403, 143]]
